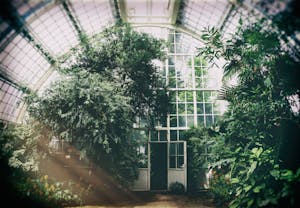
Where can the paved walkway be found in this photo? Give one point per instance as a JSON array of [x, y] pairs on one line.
[[161, 200]]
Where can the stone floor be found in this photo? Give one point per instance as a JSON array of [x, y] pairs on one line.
[[162, 200]]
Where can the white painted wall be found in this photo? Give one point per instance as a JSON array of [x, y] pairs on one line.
[[142, 183], [177, 175]]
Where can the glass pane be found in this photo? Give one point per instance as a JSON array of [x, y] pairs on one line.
[[214, 95], [190, 121], [180, 161], [197, 71], [189, 83], [162, 71], [171, 37], [181, 96], [173, 135], [181, 134], [171, 71], [93, 15], [216, 108], [200, 121], [190, 108], [207, 96], [208, 108], [200, 108], [172, 82], [173, 108], [217, 118], [179, 60], [173, 148], [180, 148], [163, 82], [173, 121], [154, 135], [172, 161], [209, 121], [180, 83], [199, 96], [172, 95], [181, 109], [204, 82], [189, 96], [182, 122], [179, 48], [199, 83], [197, 61], [177, 37], [143, 156], [172, 48], [171, 60], [163, 135], [163, 121]]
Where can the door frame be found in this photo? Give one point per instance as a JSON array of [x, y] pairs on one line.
[[184, 168]]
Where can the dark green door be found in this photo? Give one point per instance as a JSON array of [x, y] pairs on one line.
[[159, 165]]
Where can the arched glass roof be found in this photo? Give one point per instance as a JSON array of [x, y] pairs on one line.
[[35, 34]]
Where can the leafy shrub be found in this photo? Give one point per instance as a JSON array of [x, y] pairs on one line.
[[221, 189], [176, 188], [198, 141], [253, 129], [19, 162], [108, 86], [52, 193]]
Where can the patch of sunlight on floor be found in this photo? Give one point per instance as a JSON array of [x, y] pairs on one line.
[[163, 201]]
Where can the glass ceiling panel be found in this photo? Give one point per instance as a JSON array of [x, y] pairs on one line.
[[4, 28], [27, 7], [268, 7], [53, 77], [240, 14], [183, 43], [150, 11], [9, 100], [54, 30], [5, 32], [157, 32], [197, 15], [22, 63], [93, 15]]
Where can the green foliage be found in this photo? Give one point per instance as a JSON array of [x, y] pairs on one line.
[[107, 86], [288, 19], [54, 194], [211, 38], [176, 188], [92, 115], [18, 144], [125, 57], [221, 188], [252, 131], [19, 162], [198, 141]]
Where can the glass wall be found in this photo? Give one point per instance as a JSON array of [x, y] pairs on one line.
[[192, 88], [192, 91]]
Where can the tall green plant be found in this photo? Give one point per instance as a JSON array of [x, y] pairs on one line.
[[253, 127], [198, 141], [20, 155], [108, 85], [126, 57]]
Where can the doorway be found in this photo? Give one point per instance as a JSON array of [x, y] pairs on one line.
[[159, 166]]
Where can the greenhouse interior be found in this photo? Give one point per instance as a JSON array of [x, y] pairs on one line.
[[150, 103]]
